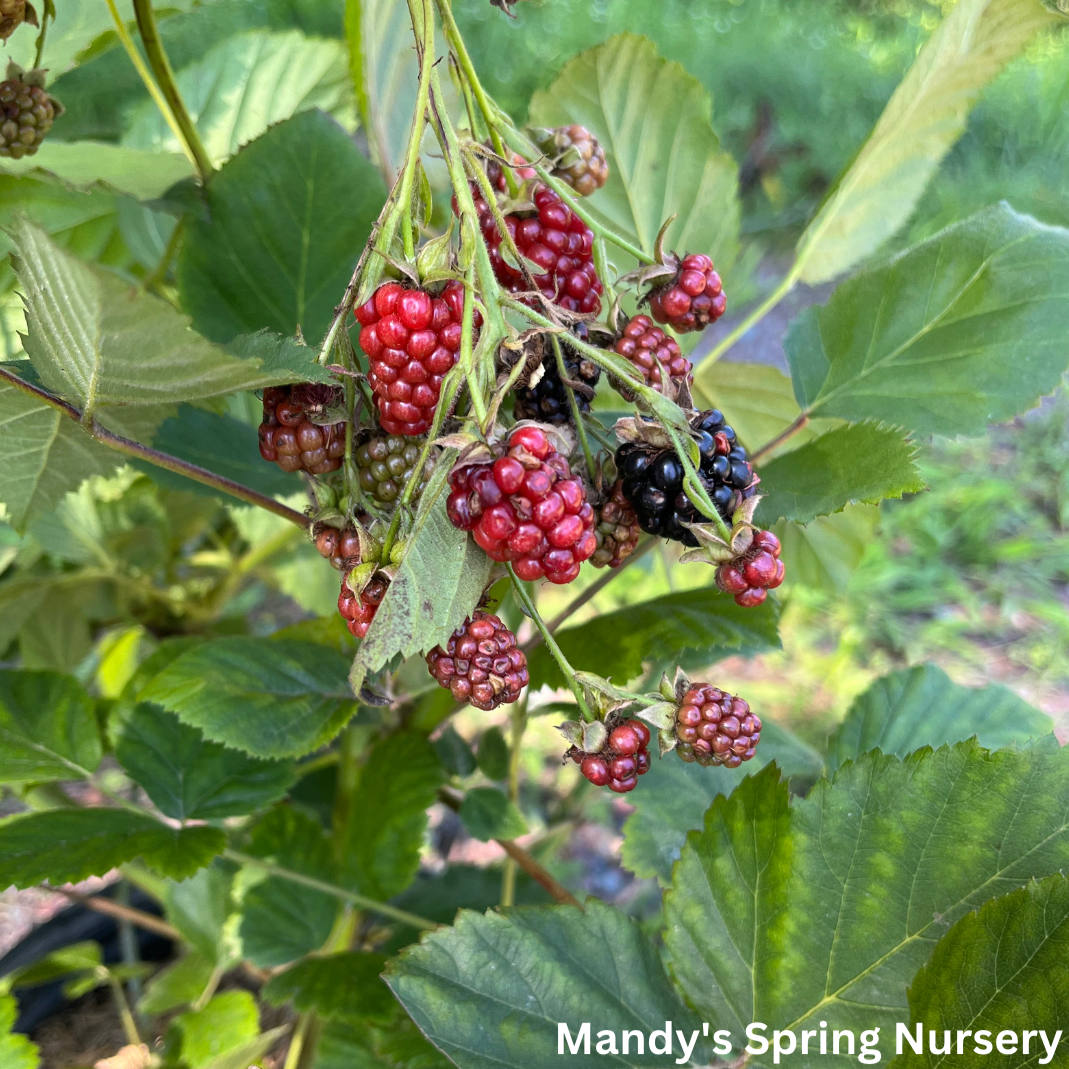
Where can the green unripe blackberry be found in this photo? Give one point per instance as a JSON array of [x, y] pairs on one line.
[[386, 464], [26, 113]]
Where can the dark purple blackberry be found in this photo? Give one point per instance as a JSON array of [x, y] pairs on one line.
[[547, 402], [653, 479]]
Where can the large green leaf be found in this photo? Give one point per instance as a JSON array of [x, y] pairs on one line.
[[824, 910], [675, 795], [48, 728], [269, 698], [861, 462], [343, 986], [1004, 968], [824, 553], [389, 815], [654, 121], [966, 328], [923, 706], [703, 622], [287, 219], [246, 84], [199, 907], [923, 119], [229, 1020], [189, 778], [492, 990], [283, 920], [67, 845]]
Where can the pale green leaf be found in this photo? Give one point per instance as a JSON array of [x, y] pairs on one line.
[[824, 553], [336, 986], [488, 814], [964, 329], [271, 699], [654, 121], [922, 120], [229, 1020], [923, 706], [179, 984], [48, 728], [16, 1050], [199, 907], [858, 463]]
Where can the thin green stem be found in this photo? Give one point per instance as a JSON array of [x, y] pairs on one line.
[[424, 35], [161, 68], [692, 483], [785, 286], [158, 276], [518, 722], [785, 435], [551, 644], [48, 13], [573, 404], [300, 1033], [129, 1026]]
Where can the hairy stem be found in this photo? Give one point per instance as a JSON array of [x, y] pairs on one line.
[[154, 456], [423, 28], [573, 404], [161, 67], [785, 435]]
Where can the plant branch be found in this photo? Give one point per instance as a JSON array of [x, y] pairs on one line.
[[129, 1026], [573, 404], [161, 67], [425, 51], [518, 724], [48, 12], [117, 910], [789, 432], [154, 456]]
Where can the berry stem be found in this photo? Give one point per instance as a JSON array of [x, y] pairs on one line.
[[154, 456], [551, 644], [692, 482], [49, 12], [785, 435], [518, 724], [785, 286], [573, 404], [161, 68], [425, 51]]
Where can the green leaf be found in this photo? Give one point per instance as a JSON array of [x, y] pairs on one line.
[[925, 116], [16, 1051], [858, 463], [675, 796], [282, 920], [493, 759], [47, 724], [824, 553], [964, 329], [823, 910], [287, 218], [1002, 968], [271, 699], [198, 1037], [352, 1045], [67, 845], [454, 752], [491, 990], [189, 778], [246, 84], [488, 814], [199, 908], [923, 706], [397, 786], [436, 588], [617, 643], [177, 985], [337, 987], [100, 341], [654, 121]]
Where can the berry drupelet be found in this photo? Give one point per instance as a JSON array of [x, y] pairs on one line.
[[359, 610], [411, 339], [653, 479], [750, 576], [693, 299], [617, 530], [527, 508], [714, 728], [340, 547], [289, 437], [386, 464], [621, 761], [644, 345], [481, 663]]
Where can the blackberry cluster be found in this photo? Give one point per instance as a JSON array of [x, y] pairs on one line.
[[751, 576], [623, 759], [644, 345], [581, 159], [547, 402], [715, 728], [359, 610], [693, 299], [26, 115], [617, 530], [653, 479], [386, 464], [340, 547], [411, 339], [557, 241], [526, 507], [289, 437], [481, 663]]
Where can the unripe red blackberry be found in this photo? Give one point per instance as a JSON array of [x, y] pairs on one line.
[[555, 239], [579, 158], [644, 345], [714, 728], [290, 438], [359, 610], [340, 546], [26, 115], [547, 401], [617, 530], [624, 757], [411, 339], [693, 299], [481, 663], [653, 479], [386, 464], [521, 172], [750, 576], [526, 507], [13, 13]]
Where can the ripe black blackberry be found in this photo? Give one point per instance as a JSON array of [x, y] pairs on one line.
[[547, 401], [386, 464], [653, 479]]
